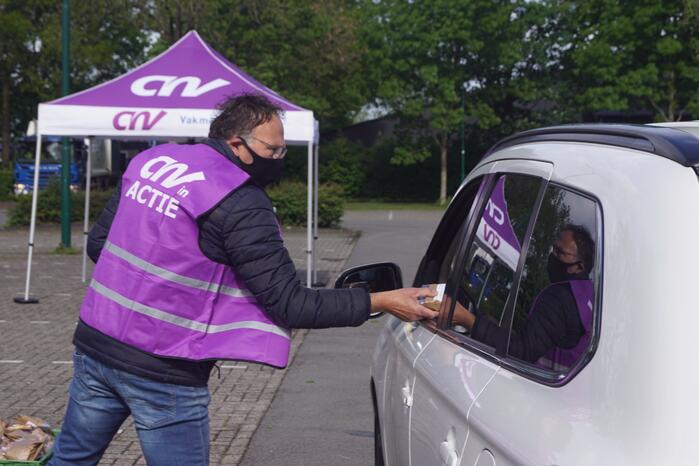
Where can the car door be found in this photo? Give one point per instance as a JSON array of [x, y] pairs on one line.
[[404, 342], [455, 369], [407, 340]]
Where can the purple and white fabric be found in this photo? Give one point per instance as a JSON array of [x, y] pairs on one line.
[[154, 289], [173, 95], [495, 229]]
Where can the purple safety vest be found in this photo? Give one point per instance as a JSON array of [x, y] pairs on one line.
[[154, 289], [582, 291]]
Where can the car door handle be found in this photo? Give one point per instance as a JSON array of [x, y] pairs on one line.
[[448, 454], [410, 327], [407, 397]]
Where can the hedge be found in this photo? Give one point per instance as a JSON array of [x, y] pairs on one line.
[[49, 206], [289, 199]]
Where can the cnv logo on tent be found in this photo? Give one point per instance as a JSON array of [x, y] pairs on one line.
[[168, 173], [132, 120], [165, 85]]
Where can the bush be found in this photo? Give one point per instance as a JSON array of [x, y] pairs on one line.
[[6, 188], [345, 164], [49, 206], [289, 199]]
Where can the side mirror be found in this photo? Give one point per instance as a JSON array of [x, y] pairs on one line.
[[384, 276]]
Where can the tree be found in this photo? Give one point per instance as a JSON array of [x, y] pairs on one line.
[[107, 39], [16, 37], [172, 19], [307, 50], [425, 54], [630, 54]]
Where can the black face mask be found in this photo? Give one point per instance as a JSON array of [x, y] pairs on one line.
[[264, 171], [556, 269]]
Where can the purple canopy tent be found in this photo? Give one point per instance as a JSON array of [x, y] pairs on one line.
[[172, 96]]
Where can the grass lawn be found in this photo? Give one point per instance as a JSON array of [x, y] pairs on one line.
[[371, 205]]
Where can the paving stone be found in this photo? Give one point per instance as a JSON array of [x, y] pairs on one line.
[[39, 337]]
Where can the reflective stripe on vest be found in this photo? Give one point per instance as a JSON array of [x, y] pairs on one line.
[[172, 276], [181, 321]]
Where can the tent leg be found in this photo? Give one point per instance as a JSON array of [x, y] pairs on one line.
[[86, 217], [315, 220], [309, 214], [26, 299]]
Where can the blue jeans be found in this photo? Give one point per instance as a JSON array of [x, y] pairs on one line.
[[172, 421]]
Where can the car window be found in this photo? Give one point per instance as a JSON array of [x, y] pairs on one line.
[[486, 278], [552, 321], [438, 262]]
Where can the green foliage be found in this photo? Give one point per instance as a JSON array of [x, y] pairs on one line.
[[49, 206], [404, 155], [330, 205], [424, 55], [415, 58], [290, 197], [6, 188], [307, 50], [107, 39], [629, 54], [388, 180], [344, 164]]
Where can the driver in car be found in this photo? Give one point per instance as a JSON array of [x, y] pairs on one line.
[[560, 316]]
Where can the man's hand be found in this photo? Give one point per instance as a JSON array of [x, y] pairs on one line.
[[403, 303]]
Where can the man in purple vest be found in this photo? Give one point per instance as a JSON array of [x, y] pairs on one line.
[[192, 269], [558, 327]]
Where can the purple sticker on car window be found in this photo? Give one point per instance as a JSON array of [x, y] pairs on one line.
[[495, 229]]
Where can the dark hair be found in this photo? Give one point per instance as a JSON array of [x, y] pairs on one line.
[[584, 245], [240, 114]]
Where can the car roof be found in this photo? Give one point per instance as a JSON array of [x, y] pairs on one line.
[[670, 143], [687, 126]]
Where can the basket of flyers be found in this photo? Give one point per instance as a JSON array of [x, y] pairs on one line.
[[25, 441]]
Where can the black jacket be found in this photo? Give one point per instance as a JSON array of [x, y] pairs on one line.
[[242, 232], [554, 322]]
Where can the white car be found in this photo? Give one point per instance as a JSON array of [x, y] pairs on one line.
[[568, 328]]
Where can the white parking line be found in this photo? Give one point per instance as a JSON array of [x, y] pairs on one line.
[[228, 366], [42, 322], [11, 361], [61, 362], [2, 321]]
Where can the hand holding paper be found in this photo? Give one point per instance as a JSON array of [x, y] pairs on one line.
[[404, 303]]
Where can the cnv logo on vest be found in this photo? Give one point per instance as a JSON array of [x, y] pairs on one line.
[[168, 173]]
